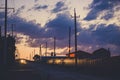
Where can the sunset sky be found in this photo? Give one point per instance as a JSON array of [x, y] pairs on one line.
[[38, 21]]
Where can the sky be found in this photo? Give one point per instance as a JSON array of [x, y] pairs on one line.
[[38, 21]]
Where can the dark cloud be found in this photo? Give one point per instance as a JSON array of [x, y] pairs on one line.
[[39, 7], [60, 25], [98, 6], [60, 6], [102, 35], [1, 15], [108, 34], [108, 15], [19, 10], [57, 27], [24, 27], [36, 0]]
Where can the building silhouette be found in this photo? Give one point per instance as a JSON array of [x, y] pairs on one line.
[[101, 53], [80, 54]]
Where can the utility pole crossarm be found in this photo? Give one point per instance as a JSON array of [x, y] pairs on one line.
[[8, 8]]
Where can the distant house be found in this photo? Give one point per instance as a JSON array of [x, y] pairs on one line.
[[101, 53], [80, 54]]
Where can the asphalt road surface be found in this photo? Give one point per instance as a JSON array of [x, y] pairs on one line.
[[36, 71]]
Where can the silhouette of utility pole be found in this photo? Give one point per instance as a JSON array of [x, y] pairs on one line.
[[18, 54], [30, 57], [5, 34], [5, 31], [34, 52], [12, 29], [6, 10], [75, 24], [69, 39], [0, 31], [40, 52], [46, 49], [54, 46]]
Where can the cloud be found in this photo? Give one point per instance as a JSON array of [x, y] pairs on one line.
[[39, 7], [29, 28], [19, 10], [104, 34], [60, 25], [98, 6], [101, 35], [58, 28], [60, 6], [1, 15], [108, 15], [108, 34], [36, 1]]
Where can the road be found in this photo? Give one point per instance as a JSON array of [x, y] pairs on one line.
[[37, 71], [20, 72]]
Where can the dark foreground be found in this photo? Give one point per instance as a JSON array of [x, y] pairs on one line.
[[19, 72], [38, 71]]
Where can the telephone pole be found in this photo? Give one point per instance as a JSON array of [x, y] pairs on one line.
[[5, 31], [0, 32], [12, 29], [46, 49], [69, 39], [54, 46], [40, 52], [75, 24], [6, 10], [5, 34], [34, 52]]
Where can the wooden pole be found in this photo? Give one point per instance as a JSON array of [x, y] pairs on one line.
[[75, 37]]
